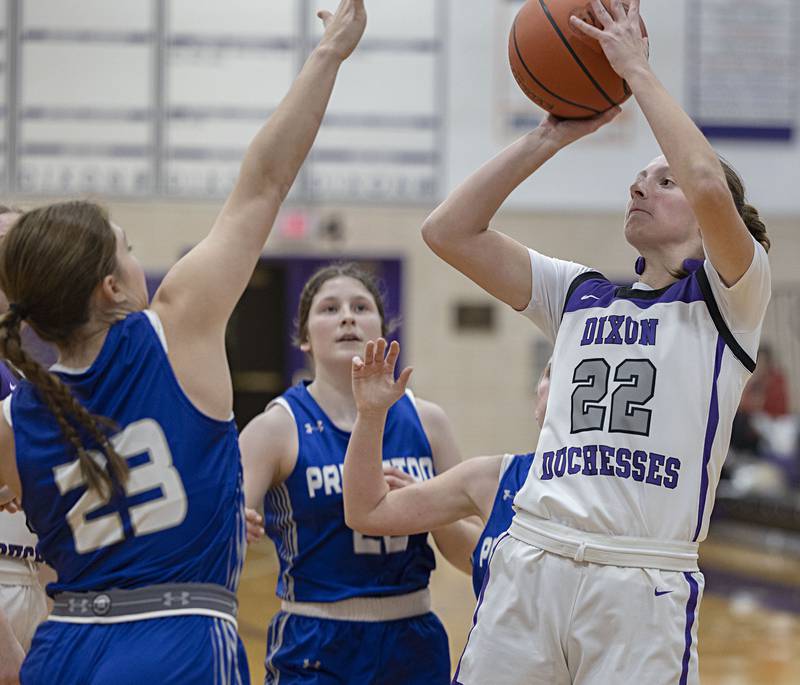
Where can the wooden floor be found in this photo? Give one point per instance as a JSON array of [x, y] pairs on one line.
[[741, 643]]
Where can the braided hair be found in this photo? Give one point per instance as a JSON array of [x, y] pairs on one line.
[[51, 261]]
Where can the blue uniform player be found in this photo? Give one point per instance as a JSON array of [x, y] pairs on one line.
[[124, 457], [482, 487], [355, 608], [513, 472]]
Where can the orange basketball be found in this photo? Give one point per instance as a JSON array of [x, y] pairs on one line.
[[561, 69]]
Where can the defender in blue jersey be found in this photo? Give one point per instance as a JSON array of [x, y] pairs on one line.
[[645, 382], [141, 512], [484, 486], [355, 608]]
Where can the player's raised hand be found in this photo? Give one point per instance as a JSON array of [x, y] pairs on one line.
[[621, 37], [374, 386], [344, 28]]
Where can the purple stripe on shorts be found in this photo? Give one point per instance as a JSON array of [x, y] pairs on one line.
[[480, 601], [711, 431], [691, 609]]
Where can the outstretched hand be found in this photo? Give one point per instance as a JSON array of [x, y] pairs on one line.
[[374, 386], [344, 28], [621, 37]]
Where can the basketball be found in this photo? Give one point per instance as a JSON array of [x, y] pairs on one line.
[[558, 67]]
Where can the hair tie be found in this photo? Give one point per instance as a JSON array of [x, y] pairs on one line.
[[19, 310]]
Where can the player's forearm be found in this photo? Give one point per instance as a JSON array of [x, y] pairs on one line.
[[275, 155], [364, 486], [691, 157], [470, 207], [457, 541]]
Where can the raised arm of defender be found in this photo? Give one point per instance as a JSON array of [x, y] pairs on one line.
[[199, 293]]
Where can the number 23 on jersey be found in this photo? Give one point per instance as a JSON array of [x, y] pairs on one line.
[[156, 475]]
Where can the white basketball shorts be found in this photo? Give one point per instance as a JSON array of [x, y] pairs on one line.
[[544, 619]]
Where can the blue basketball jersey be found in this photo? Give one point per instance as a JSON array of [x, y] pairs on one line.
[[321, 559], [180, 515], [513, 474], [8, 381]]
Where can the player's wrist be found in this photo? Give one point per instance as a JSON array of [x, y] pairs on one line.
[[638, 76], [545, 140], [372, 413]]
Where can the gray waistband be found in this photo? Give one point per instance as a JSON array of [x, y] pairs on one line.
[[153, 601], [365, 609]]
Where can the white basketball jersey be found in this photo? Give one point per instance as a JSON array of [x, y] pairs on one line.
[[16, 541], [644, 387]]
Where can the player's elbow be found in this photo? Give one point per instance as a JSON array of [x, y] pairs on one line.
[[354, 519], [709, 189], [435, 235]]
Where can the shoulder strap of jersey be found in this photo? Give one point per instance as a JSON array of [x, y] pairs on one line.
[[281, 401], [719, 322], [576, 282], [504, 464]]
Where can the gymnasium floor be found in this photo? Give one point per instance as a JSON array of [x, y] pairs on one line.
[[741, 641]]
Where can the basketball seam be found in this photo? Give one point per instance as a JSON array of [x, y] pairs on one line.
[[574, 54], [538, 82]]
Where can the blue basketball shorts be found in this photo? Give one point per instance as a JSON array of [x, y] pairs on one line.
[[190, 650], [409, 651]]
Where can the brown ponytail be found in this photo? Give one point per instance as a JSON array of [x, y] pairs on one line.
[[51, 260], [748, 213]]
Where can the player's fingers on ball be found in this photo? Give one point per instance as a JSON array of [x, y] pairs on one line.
[[601, 13], [618, 9], [588, 29]]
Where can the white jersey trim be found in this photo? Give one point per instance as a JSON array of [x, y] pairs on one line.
[[155, 322], [144, 617], [158, 327], [281, 402], [7, 410], [504, 464]]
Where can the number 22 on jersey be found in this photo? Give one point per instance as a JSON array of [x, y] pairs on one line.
[[156, 474]]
